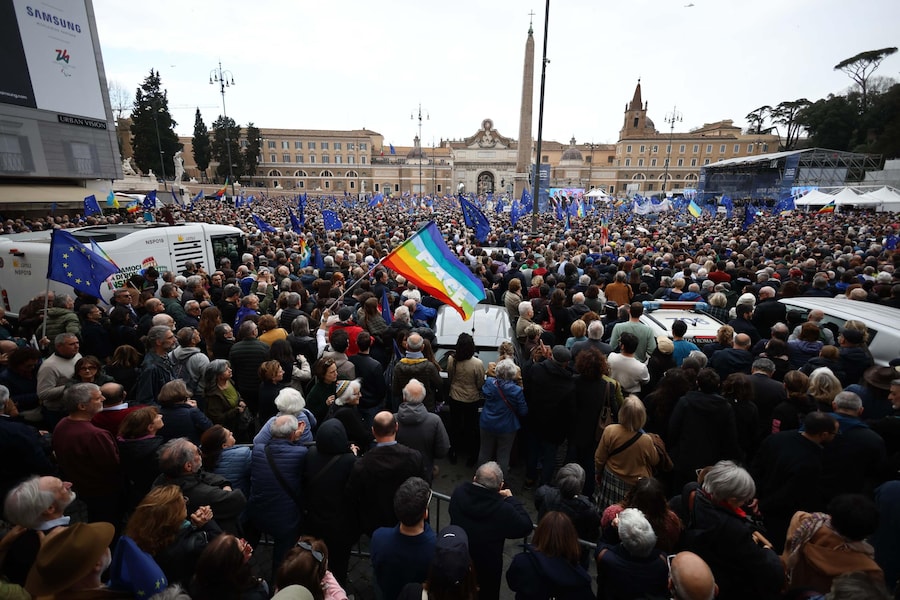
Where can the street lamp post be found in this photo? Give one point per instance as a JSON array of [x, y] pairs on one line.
[[162, 161], [224, 79], [671, 118], [421, 153]]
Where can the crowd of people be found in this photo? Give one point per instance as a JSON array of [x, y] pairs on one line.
[[207, 410]]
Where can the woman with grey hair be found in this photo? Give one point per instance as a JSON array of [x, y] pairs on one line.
[[633, 568], [345, 409], [504, 403], [289, 402], [565, 496], [720, 532]]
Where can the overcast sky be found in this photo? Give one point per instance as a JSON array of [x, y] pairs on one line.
[[356, 63]]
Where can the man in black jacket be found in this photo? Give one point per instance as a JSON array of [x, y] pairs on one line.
[[369, 371], [490, 515], [378, 473], [550, 394], [180, 462], [788, 471]]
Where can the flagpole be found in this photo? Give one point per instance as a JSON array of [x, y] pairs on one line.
[[381, 260], [46, 308], [353, 285]]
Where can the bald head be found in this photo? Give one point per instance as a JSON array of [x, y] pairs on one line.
[[691, 579], [766, 292], [384, 426], [815, 315], [742, 341]]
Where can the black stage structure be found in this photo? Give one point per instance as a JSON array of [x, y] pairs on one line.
[[763, 179]]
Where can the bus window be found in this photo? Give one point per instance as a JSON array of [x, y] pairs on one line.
[[229, 246]]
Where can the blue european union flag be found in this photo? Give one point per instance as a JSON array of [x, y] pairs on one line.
[[728, 203], [320, 260], [74, 264], [296, 227], [473, 217], [91, 206], [392, 149], [150, 200], [749, 216], [386, 307], [331, 220], [262, 225]]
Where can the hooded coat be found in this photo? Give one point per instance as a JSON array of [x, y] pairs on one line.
[[423, 431], [702, 431], [489, 519]]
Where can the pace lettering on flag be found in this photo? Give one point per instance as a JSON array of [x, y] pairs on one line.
[[426, 260], [74, 264]]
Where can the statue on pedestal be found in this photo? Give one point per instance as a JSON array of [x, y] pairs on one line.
[[179, 166]]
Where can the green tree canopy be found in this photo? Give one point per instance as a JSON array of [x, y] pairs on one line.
[[227, 135], [251, 150], [152, 128], [201, 144], [785, 114], [860, 68], [831, 122]]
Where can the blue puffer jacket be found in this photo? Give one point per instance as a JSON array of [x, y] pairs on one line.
[[271, 508], [496, 416], [234, 465]]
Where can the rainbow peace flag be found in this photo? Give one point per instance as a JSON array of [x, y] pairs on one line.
[[828, 208], [221, 191], [426, 260]]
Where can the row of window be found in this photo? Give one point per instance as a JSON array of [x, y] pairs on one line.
[[325, 159], [687, 178], [678, 163], [326, 173], [654, 149], [298, 145], [351, 185]]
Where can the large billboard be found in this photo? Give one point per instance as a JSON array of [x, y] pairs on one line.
[[51, 64], [55, 119]]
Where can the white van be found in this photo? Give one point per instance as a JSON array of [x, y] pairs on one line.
[[132, 247], [883, 322]]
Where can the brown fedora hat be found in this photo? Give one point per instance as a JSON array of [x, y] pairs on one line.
[[67, 557], [880, 377]]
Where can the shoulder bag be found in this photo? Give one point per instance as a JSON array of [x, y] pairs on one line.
[[281, 480]]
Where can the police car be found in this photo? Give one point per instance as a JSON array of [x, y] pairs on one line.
[[701, 327]]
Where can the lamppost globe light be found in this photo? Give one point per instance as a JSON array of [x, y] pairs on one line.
[[671, 118], [225, 79]]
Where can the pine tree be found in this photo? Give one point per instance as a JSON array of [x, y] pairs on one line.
[[201, 144], [252, 150], [224, 128], [153, 135]]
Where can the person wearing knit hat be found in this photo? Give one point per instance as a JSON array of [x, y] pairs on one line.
[[72, 560], [346, 410]]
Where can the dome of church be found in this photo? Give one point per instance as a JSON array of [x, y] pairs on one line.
[[416, 153], [572, 153]]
